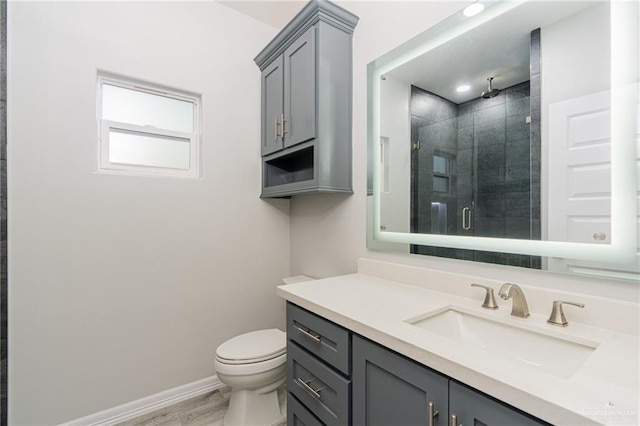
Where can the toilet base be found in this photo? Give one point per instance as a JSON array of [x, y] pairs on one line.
[[250, 408]]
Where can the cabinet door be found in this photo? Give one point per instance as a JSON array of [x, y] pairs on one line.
[[474, 408], [300, 89], [389, 389], [272, 107]]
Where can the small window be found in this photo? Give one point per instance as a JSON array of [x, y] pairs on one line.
[[147, 129]]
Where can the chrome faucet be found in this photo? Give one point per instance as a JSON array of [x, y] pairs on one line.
[[520, 308]]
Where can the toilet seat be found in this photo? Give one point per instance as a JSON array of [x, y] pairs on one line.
[[254, 347], [250, 368]]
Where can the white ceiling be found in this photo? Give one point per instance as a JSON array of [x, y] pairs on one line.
[[498, 49]]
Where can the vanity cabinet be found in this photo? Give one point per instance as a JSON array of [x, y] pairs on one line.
[[318, 370], [306, 74], [336, 377], [391, 389], [474, 408]]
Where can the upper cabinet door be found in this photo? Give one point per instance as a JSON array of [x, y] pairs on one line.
[[272, 107], [300, 89]]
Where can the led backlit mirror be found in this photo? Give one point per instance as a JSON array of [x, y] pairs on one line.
[[510, 136]]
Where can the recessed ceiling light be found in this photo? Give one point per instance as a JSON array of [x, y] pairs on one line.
[[463, 88], [473, 9]]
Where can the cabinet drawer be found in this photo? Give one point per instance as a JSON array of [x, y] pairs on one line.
[[321, 337], [298, 415], [324, 392]]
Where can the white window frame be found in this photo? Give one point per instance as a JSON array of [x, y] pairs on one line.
[[106, 126]]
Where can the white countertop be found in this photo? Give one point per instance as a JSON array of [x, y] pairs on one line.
[[604, 389]]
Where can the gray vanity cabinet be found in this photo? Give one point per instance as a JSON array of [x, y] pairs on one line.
[[306, 103], [392, 390], [389, 389], [318, 370], [470, 407], [336, 377]]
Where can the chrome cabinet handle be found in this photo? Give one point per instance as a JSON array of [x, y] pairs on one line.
[[307, 386], [557, 314], [433, 413], [453, 421], [308, 334], [489, 297], [275, 130], [466, 218], [284, 132]]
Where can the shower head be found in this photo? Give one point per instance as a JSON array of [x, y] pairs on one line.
[[490, 92]]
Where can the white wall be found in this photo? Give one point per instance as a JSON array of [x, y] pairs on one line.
[[395, 125], [121, 287], [328, 233]]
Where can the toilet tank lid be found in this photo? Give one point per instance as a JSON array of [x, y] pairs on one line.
[[254, 345]]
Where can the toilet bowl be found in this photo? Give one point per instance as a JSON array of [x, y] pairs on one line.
[[253, 365]]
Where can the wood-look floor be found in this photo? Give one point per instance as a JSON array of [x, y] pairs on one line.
[[204, 410]]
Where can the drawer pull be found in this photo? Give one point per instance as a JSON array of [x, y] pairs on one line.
[[433, 413], [307, 386], [308, 334]]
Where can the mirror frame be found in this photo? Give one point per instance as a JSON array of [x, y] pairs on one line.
[[624, 104]]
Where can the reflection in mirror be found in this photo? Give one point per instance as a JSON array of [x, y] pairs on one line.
[[501, 129]]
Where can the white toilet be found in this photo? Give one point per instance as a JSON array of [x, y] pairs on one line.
[[253, 365]]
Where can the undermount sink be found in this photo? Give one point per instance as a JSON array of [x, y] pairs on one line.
[[552, 354]]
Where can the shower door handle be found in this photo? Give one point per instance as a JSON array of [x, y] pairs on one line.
[[466, 218]]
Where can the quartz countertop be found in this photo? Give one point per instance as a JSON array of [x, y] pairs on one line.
[[603, 390]]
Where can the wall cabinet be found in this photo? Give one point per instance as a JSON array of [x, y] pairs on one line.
[[289, 97], [306, 74], [336, 377]]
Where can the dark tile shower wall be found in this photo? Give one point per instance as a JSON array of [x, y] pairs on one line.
[[497, 129], [432, 118], [3, 212], [536, 140], [477, 135]]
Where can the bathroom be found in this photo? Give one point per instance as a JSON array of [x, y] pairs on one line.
[[122, 287]]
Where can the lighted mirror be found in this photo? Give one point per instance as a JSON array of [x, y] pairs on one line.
[[510, 135]]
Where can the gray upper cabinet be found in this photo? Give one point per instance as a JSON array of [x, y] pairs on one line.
[[272, 106], [289, 96], [307, 103], [300, 90]]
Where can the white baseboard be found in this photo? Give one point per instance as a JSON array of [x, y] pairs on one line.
[[146, 405]]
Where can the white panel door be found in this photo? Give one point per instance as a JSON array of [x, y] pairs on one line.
[[579, 181]]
